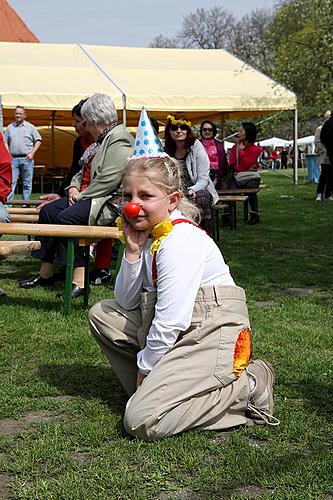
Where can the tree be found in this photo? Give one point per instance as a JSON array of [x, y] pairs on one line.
[[250, 40], [202, 29], [301, 40]]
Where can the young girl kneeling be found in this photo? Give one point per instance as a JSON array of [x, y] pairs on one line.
[[178, 332]]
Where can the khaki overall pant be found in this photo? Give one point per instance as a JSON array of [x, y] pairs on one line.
[[193, 384]]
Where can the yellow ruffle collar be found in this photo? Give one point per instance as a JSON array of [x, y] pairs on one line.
[[158, 233]]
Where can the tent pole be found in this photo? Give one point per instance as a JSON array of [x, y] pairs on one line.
[[295, 146], [123, 96], [124, 108], [52, 139]]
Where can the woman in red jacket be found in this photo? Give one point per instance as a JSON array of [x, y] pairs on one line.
[[244, 158], [5, 184], [5, 178]]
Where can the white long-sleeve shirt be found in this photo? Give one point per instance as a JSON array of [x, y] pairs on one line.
[[186, 259]]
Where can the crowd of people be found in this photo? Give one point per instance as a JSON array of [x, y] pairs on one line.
[[169, 259]]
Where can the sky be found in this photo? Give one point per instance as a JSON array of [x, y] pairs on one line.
[[130, 23]]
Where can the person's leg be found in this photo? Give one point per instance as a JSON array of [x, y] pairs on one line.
[[115, 331], [253, 202], [103, 257], [329, 185], [48, 215], [27, 173], [77, 214], [194, 384], [203, 200], [15, 176]]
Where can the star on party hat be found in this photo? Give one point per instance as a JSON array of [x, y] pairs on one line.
[[147, 143]]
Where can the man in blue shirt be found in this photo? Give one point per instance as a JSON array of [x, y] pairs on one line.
[[23, 141]]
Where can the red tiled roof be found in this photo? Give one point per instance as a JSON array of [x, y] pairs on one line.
[[12, 28]]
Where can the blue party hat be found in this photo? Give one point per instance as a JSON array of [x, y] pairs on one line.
[[147, 143]]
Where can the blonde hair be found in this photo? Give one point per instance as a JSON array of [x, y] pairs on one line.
[[165, 174]]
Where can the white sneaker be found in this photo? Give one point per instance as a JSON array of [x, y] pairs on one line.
[[319, 197], [261, 406], [330, 198]]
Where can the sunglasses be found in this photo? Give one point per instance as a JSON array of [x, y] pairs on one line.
[[174, 128], [207, 129]]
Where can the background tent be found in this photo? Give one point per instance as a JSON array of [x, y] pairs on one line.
[[50, 78], [275, 142]]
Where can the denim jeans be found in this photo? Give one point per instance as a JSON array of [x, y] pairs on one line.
[[4, 215], [25, 169]]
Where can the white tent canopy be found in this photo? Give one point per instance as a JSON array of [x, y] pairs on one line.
[[49, 79], [275, 142], [309, 139], [228, 145]]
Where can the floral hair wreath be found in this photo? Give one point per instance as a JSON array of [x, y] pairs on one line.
[[174, 121]]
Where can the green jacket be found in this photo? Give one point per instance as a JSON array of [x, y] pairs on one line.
[[105, 174]]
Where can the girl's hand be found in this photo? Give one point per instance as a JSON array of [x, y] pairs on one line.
[[135, 240]]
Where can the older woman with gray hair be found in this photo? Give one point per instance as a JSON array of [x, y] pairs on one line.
[[89, 191]]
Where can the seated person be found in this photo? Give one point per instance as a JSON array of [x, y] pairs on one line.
[[180, 143], [216, 153], [103, 254], [89, 190]]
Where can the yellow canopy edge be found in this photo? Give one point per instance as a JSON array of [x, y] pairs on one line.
[[49, 79]]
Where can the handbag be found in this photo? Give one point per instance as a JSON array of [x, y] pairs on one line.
[[242, 178]]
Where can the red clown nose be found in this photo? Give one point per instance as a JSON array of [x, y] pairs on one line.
[[132, 209]]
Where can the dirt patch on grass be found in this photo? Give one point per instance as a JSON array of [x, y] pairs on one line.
[[80, 456], [252, 491], [11, 427], [257, 442], [5, 480], [183, 493], [62, 399], [221, 436], [304, 292], [265, 303]]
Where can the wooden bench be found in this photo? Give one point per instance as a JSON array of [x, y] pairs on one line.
[[24, 211], [24, 202], [24, 218], [224, 203], [238, 191], [232, 200], [12, 247], [85, 234]]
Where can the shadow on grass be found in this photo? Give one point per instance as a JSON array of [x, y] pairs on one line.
[[89, 382], [318, 398], [26, 302]]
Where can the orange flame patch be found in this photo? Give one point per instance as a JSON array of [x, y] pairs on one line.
[[243, 351]]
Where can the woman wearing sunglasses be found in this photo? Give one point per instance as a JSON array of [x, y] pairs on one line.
[[181, 143], [216, 153]]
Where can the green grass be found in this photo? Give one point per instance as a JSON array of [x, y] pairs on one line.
[[61, 406]]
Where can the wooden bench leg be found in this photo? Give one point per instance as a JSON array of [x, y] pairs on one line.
[[69, 278]]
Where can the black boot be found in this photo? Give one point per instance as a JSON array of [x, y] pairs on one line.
[[254, 218]]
